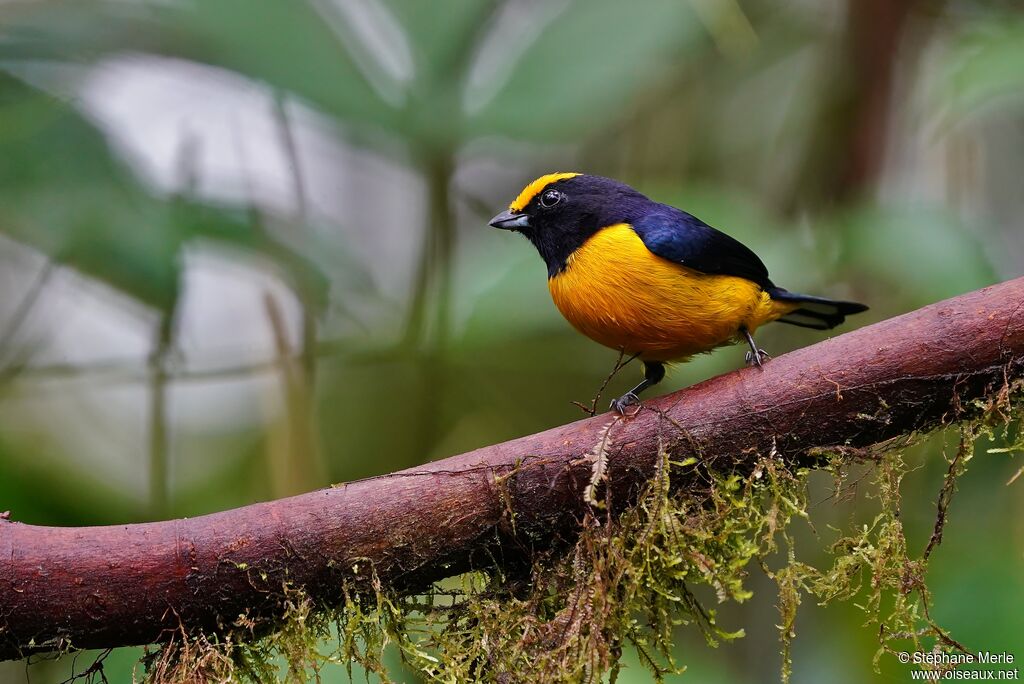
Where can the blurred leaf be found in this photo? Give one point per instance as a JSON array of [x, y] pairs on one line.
[[500, 274], [442, 33], [38, 488], [572, 77], [920, 254], [290, 45], [985, 67], [63, 192], [582, 66]]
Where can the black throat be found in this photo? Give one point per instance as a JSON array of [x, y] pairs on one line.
[[556, 248]]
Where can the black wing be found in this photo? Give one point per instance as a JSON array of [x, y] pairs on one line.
[[677, 236]]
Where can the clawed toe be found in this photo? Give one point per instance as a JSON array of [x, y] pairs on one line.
[[627, 405], [756, 359]]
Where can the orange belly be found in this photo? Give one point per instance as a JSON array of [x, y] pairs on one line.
[[616, 292]]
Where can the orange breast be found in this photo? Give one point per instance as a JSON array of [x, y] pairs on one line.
[[615, 291]]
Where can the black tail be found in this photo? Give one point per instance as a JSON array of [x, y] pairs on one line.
[[814, 312]]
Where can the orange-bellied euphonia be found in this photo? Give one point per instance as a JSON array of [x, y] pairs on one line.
[[650, 280]]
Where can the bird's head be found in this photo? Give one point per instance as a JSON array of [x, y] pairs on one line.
[[559, 211]]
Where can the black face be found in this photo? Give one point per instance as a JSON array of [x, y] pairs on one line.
[[560, 218]]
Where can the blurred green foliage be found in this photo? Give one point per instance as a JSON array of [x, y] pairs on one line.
[[408, 330]]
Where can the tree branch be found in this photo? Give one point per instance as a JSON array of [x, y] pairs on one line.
[[98, 587]]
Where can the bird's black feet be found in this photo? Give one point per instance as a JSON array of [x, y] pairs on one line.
[[756, 356], [757, 359], [628, 405]]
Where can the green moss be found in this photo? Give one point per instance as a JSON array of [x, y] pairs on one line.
[[630, 581]]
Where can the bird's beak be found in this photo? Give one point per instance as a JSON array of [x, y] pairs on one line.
[[506, 220]]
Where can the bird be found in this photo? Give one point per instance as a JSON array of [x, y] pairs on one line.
[[650, 280]]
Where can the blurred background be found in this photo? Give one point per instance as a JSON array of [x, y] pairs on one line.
[[244, 249]]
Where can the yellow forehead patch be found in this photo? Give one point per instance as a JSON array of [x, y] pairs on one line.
[[531, 190]]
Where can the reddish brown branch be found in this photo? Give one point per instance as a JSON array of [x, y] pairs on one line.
[[131, 584]]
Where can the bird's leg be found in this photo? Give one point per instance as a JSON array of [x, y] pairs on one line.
[[654, 371], [756, 356]]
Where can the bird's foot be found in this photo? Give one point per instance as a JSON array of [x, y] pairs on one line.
[[757, 359], [628, 405]]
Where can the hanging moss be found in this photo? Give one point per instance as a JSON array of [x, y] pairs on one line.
[[628, 583]]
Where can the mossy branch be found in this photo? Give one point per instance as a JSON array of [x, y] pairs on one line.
[[503, 507]]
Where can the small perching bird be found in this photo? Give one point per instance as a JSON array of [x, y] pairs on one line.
[[650, 280]]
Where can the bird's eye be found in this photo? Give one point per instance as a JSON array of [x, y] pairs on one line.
[[550, 198]]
